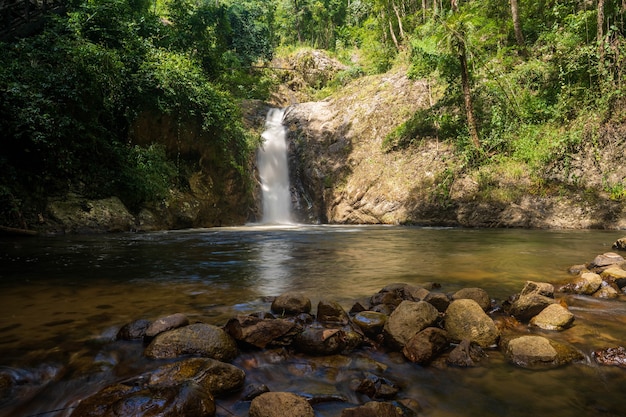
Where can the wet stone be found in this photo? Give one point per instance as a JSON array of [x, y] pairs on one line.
[[370, 322], [166, 323], [466, 354], [613, 356], [291, 303], [280, 404], [477, 294], [376, 387], [374, 409], [135, 330]]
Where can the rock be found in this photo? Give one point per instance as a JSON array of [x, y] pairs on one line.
[[183, 400], [212, 375], [541, 288], [620, 244], [466, 354], [291, 303], [253, 391], [606, 291], [79, 215], [261, 332], [198, 339], [439, 300], [553, 317], [280, 404], [331, 312], [477, 294], [537, 352], [613, 356], [324, 341], [587, 283], [377, 387], [426, 345], [534, 297], [465, 319], [134, 330], [166, 323], [370, 322], [374, 409], [393, 294], [407, 319], [606, 259], [614, 275]]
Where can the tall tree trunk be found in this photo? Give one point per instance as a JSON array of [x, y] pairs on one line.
[[467, 97], [393, 35], [600, 37], [517, 26], [395, 9]]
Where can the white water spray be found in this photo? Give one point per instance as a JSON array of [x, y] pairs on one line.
[[274, 171]]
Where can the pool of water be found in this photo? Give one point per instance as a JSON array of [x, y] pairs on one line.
[[62, 299]]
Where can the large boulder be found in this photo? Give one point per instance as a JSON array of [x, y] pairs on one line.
[[291, 303], [187, 399], [212, 375], [198, 339], [553, 317], [466, 320], [406, 320], [538, 352], [280, 404], [426, 345], [76, 214]]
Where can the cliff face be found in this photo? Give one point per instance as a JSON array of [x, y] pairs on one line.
[[340, 174]]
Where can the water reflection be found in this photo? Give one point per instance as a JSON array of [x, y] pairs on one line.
[[274, 256]]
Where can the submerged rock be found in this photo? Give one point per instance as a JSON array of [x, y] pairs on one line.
[[537, 352], [183, 400], [134, 330], [613, 356], [280, 404], [376, 387], [212, 375], [198, 339], [466, 320], [466, 354], [374, 409]]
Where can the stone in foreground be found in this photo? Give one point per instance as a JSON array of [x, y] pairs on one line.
[[280, 404]]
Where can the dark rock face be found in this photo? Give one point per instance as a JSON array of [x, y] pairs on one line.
[[280, 404], [196, 339], [613, 356], [184, 400], [426, 345]]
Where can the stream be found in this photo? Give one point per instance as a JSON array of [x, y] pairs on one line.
[[62, 300]]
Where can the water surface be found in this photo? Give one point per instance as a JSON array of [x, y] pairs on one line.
[[62, 300]]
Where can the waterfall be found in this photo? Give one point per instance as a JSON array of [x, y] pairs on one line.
[[273, 170]]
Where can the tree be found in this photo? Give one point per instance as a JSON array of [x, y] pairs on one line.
[[517, 26]]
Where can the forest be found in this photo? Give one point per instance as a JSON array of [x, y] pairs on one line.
[[522, 81]]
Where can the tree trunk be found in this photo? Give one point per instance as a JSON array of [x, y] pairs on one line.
[[467, 97], [517, 26], [600, 37]]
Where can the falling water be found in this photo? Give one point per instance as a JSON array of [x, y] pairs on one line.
[[274, 172]]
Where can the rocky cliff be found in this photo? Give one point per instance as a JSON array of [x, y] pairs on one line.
[[341, 174]]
